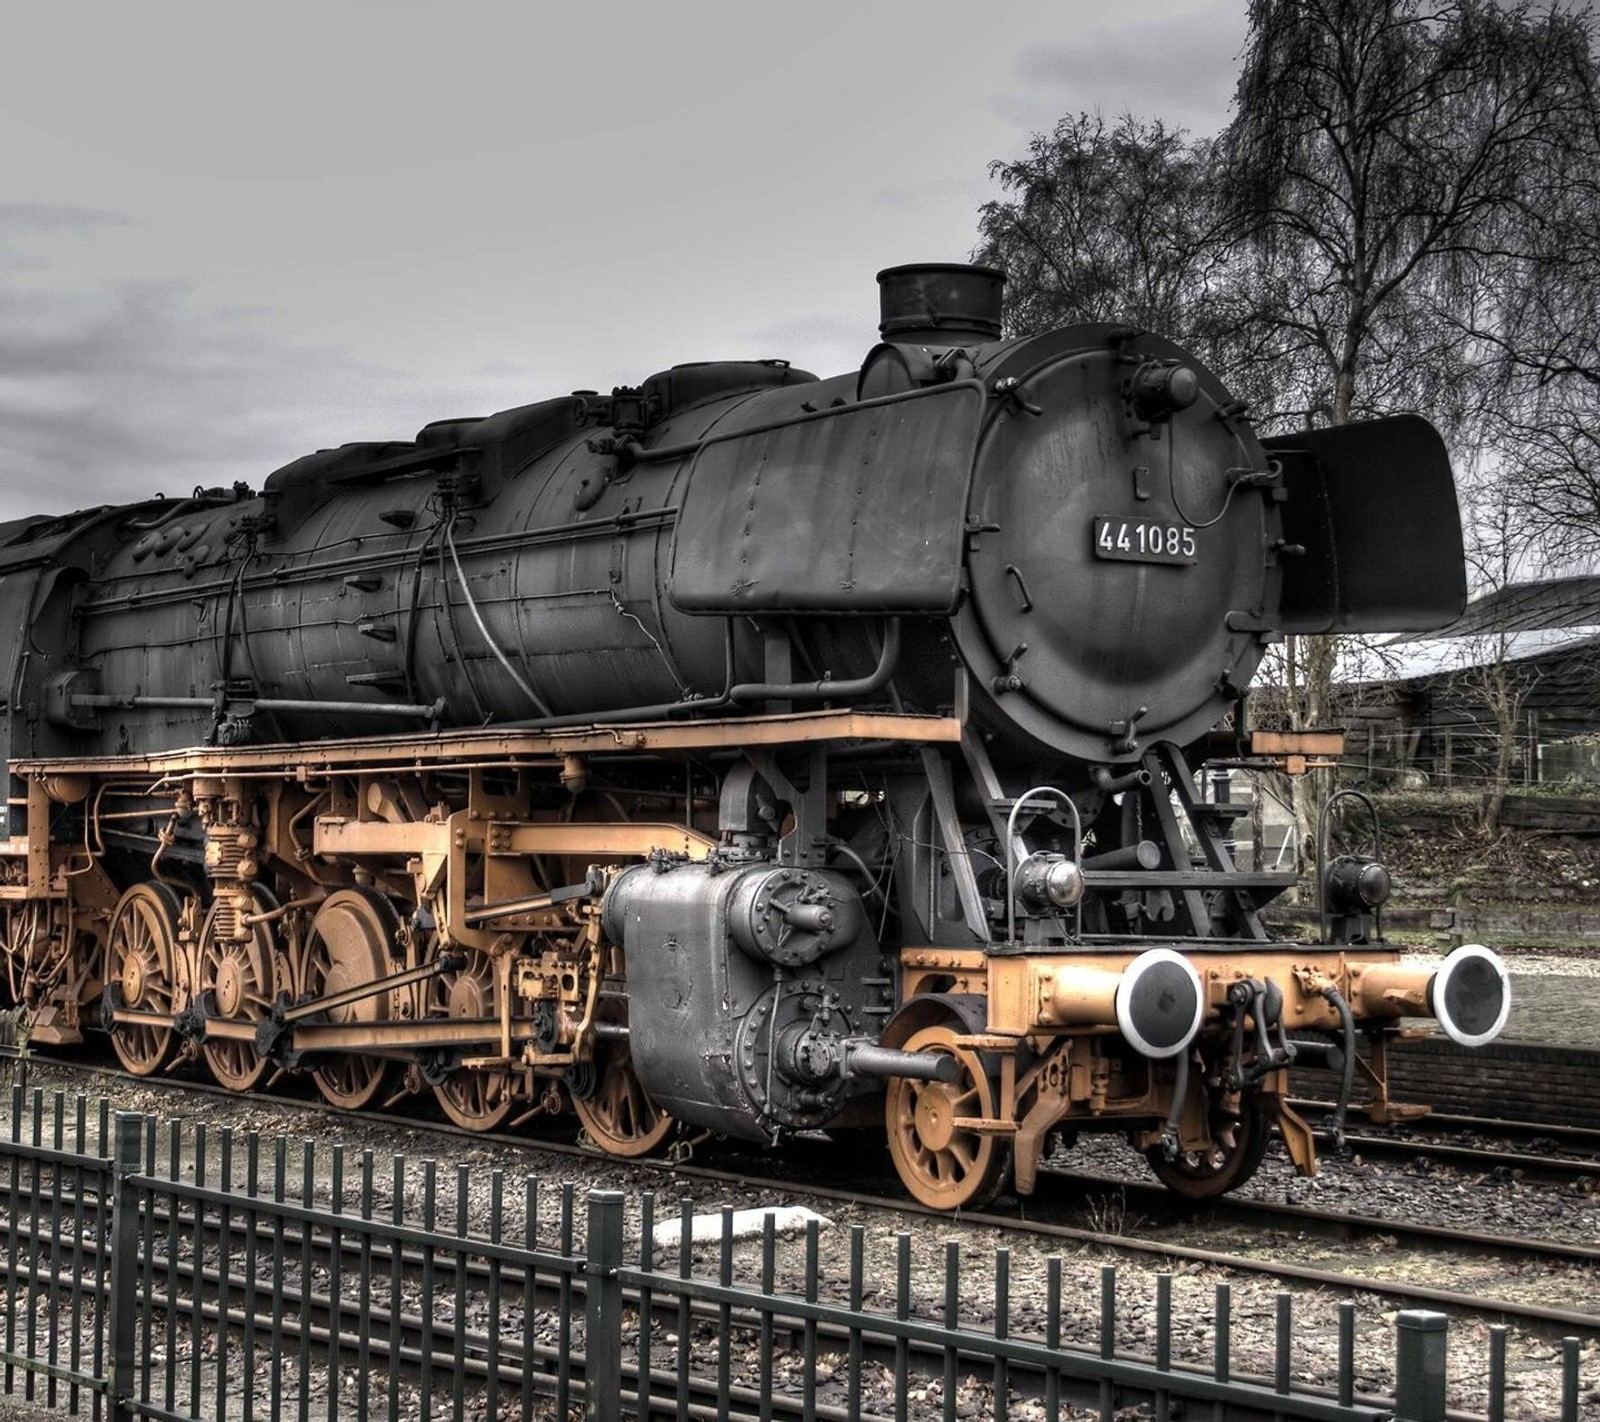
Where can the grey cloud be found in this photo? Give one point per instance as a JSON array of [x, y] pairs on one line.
[[824, 344], [33, 218], [1179, 67], [933, 197], [819, 329], [113, 394]]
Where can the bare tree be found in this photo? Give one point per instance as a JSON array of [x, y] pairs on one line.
[[1391, 160], [1495, 549], [1384, 155], [1110, 222]]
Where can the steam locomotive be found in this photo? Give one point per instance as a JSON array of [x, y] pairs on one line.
[[739, 753]]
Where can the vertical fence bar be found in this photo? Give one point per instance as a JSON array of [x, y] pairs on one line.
[[530, 1285], [147, 1267], [497, 1196], [1496, 1408], [280, 1185], [197, 1256], [123, 1304], [1282, 1347], [99, 1342], [308, 1198], [224, 1271], [1569, 1380], [364, 1317], [952, 1321], [1052, 1336], [808, 1376], [647, 1262], [458, 1395], [725, 1316], [902, 1313], [1419, 1368], [564, 1322], [13, 1238], [1222, 1358], [252, 1241], [80, 1232], [174, 1169], [397, 1213], [1002, 1330], [335, 1277], [685, 1271], [1163, 1407], [430, 1177], [858, 1254], [35, 1200], [769, 1260], [58, 1142], [602, 1384], [1347, 1354], [1108, 1337]]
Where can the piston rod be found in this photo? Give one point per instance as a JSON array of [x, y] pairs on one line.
[[868, 1059]]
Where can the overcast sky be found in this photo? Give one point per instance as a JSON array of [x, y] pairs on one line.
[[231, 234]]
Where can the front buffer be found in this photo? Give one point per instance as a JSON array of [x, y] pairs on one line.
[[1187, 1053]]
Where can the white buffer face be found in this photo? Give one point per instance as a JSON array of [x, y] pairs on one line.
[[1160, 1003], [1471, 995]]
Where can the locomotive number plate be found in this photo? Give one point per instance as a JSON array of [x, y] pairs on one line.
[[1143, 540]]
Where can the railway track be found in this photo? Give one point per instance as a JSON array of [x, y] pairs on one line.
[[1157, 1217], [1419, 1141]]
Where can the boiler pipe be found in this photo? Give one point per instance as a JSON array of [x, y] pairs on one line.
[[826, 690], [207, 703]]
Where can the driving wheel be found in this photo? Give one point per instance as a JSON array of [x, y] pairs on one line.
[[475, 1099], [348, 947], [237, 967], [944, 1162], [141, 958], [1237, 1146], [617, 1114]]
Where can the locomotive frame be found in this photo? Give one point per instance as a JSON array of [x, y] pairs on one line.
[[322, 973], [933, 860]]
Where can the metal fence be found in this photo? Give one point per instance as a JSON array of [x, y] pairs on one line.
[[229, 1276]]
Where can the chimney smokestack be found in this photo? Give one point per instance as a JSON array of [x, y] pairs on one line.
[[939, 304]]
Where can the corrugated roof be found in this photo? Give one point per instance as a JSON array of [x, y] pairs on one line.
[[1524, 607], [1433, 654]]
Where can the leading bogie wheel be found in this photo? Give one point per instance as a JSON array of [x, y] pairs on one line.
[[942, 1159], [618, 1115], [141, 959], [348, 946], [1233, 1156]]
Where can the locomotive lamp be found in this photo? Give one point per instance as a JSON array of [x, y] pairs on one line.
[[1160, 388], [1049, 881], [1357, 883], [1354, 886]]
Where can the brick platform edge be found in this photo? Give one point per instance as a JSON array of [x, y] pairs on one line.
[[1512, 1081]]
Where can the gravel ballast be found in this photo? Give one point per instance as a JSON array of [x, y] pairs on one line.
[[1469, 1204]]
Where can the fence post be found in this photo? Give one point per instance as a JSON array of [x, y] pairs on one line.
[[602, 1382], [1419, 1366], [122, 1309]]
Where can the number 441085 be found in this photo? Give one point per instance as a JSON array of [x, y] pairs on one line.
[[1143, 540]]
